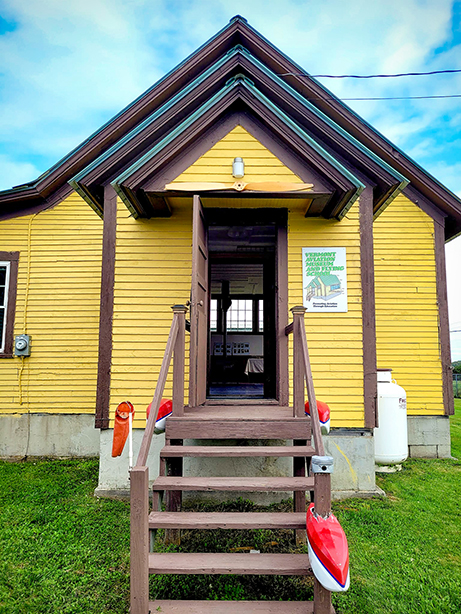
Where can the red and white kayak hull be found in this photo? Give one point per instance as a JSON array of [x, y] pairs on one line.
[[324, 415], [328, 551], [165, 409]]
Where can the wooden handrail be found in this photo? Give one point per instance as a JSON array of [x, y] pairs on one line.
[[302, 373], [318, 441], [289, 329], [149, 431]]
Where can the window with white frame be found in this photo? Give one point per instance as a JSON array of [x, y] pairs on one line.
[[245, 315], [4, 287], [9, 262], [240, 316]]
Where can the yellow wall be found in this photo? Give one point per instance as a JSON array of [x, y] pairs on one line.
[[62, 310], [334, 339], [406, 304], [153, 269], [216, 163], [152, 273]]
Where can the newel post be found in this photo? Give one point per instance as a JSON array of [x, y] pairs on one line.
[[179, 312], [139, 540], [298, 367]]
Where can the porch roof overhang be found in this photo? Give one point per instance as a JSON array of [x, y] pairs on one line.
[[144, 181], [238, 48], [265, 85]]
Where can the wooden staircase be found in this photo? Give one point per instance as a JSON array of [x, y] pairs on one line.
[[244, 423]]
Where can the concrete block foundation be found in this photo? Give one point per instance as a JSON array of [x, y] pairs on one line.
[[429, 437], [50, 435], [114, 472]]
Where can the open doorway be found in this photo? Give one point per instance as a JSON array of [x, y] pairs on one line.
[[242, 308]]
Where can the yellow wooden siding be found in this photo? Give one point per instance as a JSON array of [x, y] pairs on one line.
[[406, 304], [216, 163], [62, 313], [153, 270], [334, 339], [152, 273]]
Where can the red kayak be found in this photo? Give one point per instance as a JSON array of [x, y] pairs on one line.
[[324, 415], [328, 551], [165, 410]]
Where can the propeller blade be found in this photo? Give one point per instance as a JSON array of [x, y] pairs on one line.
[[197, 186], [279, 186], [240, 186]]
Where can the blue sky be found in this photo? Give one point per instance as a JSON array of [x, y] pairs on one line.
[[68, 67]]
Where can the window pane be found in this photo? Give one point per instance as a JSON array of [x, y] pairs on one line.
[[240, 315], [213, 314], [261, 316], [2, 275]]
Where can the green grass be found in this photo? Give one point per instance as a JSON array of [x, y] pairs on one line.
[[63, 550]]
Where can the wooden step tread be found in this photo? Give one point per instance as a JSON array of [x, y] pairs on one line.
[[237, 428], [227, 520], [234, 408], [260, 484], [224, 563], [232, 607], [236, 451]]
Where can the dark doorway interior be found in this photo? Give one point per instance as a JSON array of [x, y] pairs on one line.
[[242, 344]]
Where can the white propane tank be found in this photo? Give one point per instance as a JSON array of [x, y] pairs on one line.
[[391, 437]]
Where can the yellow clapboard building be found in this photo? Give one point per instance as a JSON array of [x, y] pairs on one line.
[[239, 195]]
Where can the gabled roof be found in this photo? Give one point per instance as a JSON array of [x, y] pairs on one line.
[[236, 77]]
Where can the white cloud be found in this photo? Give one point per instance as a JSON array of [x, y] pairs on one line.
[[70, 66], [14, 173]]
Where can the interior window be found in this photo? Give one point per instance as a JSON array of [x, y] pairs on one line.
[[213, 315], [240, 316]]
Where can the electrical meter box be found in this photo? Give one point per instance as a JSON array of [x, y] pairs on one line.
[[22, 345]]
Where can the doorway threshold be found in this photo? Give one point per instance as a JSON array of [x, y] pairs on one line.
[[240, 401]]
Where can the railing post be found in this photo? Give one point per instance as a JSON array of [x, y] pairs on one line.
[[299, 464], [179, 312], [322, 496], [139, 540], [298, 367]]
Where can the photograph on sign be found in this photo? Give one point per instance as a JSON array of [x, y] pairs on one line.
[[324, 279]]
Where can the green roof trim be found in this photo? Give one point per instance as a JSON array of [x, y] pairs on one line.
[[255, 92]]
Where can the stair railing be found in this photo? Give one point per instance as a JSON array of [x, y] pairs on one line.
[[139, 475], [322, 470]]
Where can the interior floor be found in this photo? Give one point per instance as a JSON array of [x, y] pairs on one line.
[[255, 391]]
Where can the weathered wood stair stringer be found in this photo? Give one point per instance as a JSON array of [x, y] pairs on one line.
[[214, 422]]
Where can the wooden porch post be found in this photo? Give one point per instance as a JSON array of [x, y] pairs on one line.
[[179, 312], [139, 540], [299, 464]]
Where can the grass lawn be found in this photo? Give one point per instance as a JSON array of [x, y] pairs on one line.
[[62, 550]]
